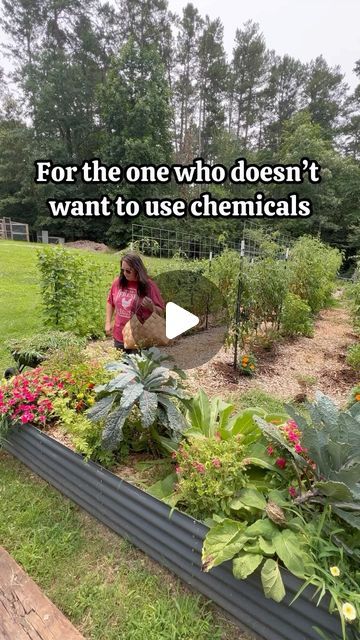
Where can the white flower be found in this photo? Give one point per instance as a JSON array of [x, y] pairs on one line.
[[349, 611]]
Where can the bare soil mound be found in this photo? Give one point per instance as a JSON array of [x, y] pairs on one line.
[[88, 245]]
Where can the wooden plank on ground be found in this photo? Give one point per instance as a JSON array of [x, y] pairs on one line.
[[25, 612]]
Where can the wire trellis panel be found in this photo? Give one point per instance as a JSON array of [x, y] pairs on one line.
[[167, 243]]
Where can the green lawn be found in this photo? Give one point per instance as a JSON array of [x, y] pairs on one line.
[[20, 299], [108, 589], [104, 585]]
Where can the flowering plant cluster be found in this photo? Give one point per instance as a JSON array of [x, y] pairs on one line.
[[209, 473], [292, 437], [80, 384], [28, 397], [247, 364]]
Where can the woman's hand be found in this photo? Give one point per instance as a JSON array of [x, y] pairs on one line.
[[148, 303], [108, 328]]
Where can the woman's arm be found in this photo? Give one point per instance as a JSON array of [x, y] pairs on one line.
[[108, 318]]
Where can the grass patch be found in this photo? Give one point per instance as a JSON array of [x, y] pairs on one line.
[[20, 312], [106, 587], [256, 398]]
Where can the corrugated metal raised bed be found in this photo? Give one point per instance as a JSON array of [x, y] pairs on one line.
[[175, 541]]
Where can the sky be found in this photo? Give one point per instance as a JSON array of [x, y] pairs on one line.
[[303, 29]]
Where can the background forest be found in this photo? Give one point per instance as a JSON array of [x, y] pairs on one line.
[[133, 83]]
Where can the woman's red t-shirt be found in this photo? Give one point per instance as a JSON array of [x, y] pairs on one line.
[[126, 302]]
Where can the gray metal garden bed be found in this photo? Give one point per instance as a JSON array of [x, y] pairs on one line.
[[174, 541]]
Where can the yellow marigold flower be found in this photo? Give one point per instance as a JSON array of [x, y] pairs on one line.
[[348, 611], [335, 571], [252, 366], [245, 360], [357, 397]]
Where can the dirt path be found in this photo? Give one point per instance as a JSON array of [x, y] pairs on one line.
[[319, 361]]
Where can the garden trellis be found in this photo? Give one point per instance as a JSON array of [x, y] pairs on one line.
[[164, 242]]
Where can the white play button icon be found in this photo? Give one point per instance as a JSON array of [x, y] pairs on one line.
[[178, 320]]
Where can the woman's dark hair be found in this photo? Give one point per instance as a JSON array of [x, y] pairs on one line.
[[137, 264]]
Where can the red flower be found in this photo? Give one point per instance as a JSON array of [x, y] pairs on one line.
[[281, 463], [270, 450]]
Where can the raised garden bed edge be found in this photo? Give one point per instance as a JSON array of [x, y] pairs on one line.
[[174, 540]]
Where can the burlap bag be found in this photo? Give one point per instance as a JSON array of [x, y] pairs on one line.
[[152, 333]]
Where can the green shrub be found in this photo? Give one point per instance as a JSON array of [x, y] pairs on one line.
[[73, 290], [353, 295], [64, 359], [296, 317], [313, 268], [33, 350], [353, 356], [85, 435]]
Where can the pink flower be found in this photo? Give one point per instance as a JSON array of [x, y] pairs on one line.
[[199, 467], [281, 463], [292, 436], [178, 470], [216, 463], [292, 492], [299, 448], [292, 424], [270, 450]]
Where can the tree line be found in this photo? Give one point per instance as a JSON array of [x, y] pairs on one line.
[[133, 83]]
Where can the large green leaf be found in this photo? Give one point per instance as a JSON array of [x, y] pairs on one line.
[[244, 424], [163, 488], [131, 393], [337, 491], [353, 519], [176, 419], [157, 378], [118, 383], [245, 564], [199, 414], [222, 543], [112, 433], [324, 412], [272, 581], [176, 392], [264, 528], [266, 547], [248, 497], [290, 551], [100, 409], [148, 404]]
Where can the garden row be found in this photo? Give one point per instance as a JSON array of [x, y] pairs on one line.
[[275, 491], [268, 296]]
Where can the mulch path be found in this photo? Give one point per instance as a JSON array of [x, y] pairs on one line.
[[290, 367]]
